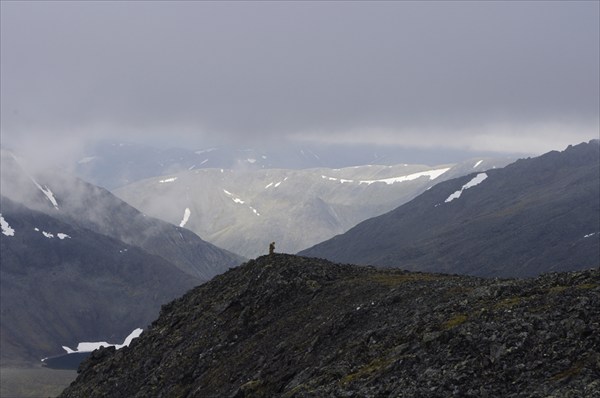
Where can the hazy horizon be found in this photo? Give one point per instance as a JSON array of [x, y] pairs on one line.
[[430, 78]]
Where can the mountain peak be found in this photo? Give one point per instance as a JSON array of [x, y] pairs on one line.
[[290, 326]]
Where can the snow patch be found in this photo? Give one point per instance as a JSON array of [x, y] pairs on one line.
[[186, 217], [47, 192], [590, 235], [251, 161], [48, 234], [477, 164], [269, 185], [432, 174], [6, 229], [240, 201], [62, 236], [91, 346], [233, 197], [474, 181], [167, 180]]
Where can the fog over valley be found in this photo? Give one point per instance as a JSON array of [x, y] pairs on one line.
[[299, 199]]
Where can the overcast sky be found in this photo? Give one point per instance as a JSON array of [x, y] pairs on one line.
[[493, 76]]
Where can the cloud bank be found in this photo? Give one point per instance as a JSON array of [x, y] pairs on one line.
[[499, 76]]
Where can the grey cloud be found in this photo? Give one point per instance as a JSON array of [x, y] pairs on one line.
[[196, 71]]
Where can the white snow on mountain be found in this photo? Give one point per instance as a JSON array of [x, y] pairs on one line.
[[240, 201], [276, 184], [233, 197], [186, 217], [91, 346], [341, 180], [50, 235], [432, 174], [6, 229], [590, 235], [477, 164], [475, 181], [167, 180], [47, 192]]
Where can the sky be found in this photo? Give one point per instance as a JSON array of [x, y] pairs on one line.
[[477, 76]]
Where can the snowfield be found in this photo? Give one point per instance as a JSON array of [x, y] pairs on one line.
[[6, 229], [475, 181]]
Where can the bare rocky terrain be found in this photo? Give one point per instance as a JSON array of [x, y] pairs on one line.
[[288, 326]]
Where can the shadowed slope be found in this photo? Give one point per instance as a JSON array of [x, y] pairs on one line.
[[287, 326]]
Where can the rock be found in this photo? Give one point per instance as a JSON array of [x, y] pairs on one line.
[[288, 326]]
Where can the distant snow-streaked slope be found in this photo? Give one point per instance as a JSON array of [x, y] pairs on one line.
[[76, 202], [243, 211], [535, 215], [61, 283], [115, 164]]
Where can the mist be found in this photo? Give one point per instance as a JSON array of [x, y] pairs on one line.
[[505, 77]]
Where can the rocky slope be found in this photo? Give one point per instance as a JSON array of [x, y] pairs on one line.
[[61, 284], [78, 264], [243, 210], [288, 326], [536, 215]]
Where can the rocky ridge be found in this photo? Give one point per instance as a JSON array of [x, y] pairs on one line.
[[289, 326]]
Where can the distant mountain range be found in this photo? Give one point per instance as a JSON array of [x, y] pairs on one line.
[[78, 264], [243, 210], [287, 326], [116, 164], [536, 215]]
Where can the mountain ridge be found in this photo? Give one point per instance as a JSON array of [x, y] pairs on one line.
[[534, 215], [244, 210], [290, 326]]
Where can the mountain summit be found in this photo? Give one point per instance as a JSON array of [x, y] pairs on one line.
[[288, 326]]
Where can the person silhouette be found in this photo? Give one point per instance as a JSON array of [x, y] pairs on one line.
[[271, 248]]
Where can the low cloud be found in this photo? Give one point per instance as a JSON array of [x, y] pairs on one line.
[[498, 76]]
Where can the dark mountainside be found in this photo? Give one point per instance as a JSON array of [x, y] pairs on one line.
[[535, 215], [109, 276], [96, 209], [289, 326], [83, 287]]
